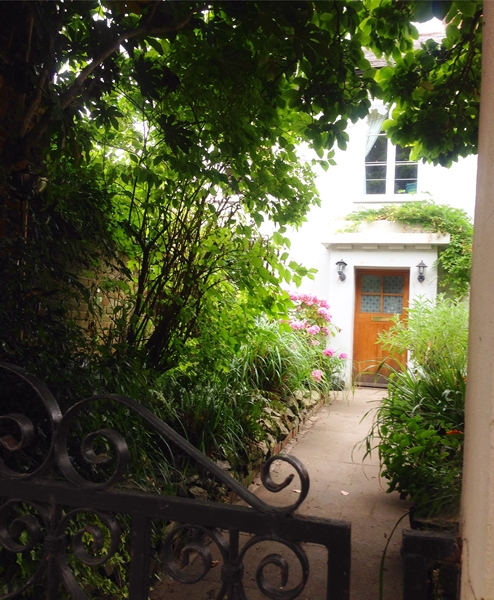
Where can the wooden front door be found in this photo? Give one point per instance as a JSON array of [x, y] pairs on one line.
[[380, 294]]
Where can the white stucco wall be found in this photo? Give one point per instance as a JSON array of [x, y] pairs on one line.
[[341, 190]]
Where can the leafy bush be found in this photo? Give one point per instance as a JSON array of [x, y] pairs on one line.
[[275, 361], [420, 424], [435, 332], [216, 417]]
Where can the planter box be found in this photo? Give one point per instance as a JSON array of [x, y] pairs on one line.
[[431, 565]]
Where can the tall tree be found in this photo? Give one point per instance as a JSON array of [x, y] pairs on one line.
[[59, 58], [223, 92]]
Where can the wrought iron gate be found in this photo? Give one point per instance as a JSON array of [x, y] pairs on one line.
[[44, 494]]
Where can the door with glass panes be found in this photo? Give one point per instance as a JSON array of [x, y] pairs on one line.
[[380, 294]]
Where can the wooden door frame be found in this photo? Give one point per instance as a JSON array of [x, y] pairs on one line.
[[379, 381]]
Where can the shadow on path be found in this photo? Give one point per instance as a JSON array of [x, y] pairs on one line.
[[342, 487]]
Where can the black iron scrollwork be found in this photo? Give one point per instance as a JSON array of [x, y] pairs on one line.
[[186, 544], [122, 457], [88, 452], [277, 592], [25, 426], [61, 426], [301, 471], [79, 546], [92, 462], [185, 541]]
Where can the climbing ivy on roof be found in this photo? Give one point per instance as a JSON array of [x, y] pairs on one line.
[[456, 258]]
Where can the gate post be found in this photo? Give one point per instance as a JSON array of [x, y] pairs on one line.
[[478, 478]]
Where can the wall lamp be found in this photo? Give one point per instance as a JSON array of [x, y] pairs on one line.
[[421, 267], [340, 265]]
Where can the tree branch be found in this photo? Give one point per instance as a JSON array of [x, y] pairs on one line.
[[76, 88]]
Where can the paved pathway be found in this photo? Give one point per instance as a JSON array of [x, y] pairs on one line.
[[327, 447]]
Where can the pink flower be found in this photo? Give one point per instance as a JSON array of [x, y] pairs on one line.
[[308, 299], [325, 330], [324, 312], [323, 303], [294, 296], [313, 329], [343, 355], [317, 374], [328, 352], [297, 325]]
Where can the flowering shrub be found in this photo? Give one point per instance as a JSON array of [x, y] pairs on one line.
[[311, 317], [313, 329]]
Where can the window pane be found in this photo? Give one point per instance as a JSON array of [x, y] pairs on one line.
[[379, 151], [370, 304], [377, 186], [402, 154], [406, 171], [405, 186], [371, 283], [375, 172], [393, 304], [393, 284]]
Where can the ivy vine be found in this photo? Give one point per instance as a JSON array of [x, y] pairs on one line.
[[456, 258]]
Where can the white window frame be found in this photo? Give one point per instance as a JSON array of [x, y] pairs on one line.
[[389, 195]]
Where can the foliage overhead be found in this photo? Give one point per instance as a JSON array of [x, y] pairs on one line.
[[299, 55], [435, 89], [60, 59], [456, 258], [186, 117]]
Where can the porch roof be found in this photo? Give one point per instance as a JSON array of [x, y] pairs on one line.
[[386, 241]]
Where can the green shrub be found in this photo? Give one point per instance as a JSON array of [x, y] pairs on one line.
[[419, 426], [218, 418], [275, 361], [435, 333]]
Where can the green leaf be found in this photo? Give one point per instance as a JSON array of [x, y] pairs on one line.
[[467, 7], [156, 44]]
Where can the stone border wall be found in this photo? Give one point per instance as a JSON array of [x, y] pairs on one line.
[[299, 410]]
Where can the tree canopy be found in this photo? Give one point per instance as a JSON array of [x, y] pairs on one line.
[[167, 132], [435, 89], [61, 59]]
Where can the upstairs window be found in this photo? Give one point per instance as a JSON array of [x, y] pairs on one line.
[[388, 168]]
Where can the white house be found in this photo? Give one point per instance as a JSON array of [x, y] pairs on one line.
[[381, 275]]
